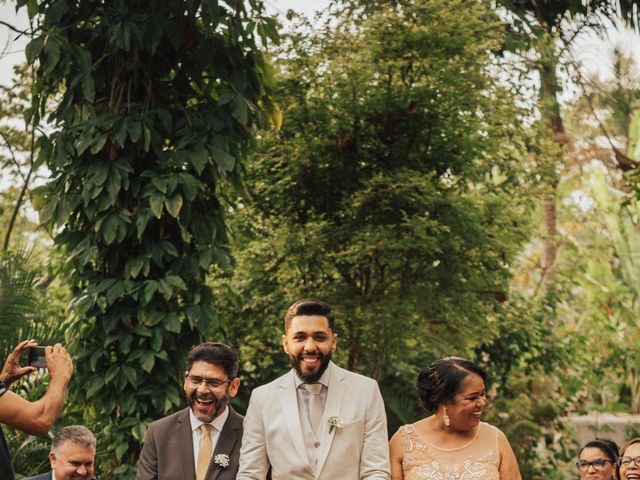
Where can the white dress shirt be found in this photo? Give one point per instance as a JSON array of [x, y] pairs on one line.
[[196, 434]]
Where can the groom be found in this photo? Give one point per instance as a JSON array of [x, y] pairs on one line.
[[318, 421]]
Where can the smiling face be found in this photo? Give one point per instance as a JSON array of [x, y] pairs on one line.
[[465, 410], [309, 342], [208, 402], [630, 471], [72, 461], [603, 468]]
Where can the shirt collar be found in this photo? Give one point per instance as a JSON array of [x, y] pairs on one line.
[[217, 422], [323, 380]]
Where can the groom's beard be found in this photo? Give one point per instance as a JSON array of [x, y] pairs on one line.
[[207, 414], [310, 377]]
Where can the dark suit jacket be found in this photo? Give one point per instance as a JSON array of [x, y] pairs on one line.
[[43, 476], [167, 452]]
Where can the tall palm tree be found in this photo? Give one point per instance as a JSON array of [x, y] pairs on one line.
[[26, 309], [548, 28]]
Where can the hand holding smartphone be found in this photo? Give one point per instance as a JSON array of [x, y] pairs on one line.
[[13, 369]]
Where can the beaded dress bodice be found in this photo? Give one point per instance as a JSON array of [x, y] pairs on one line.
[[477, 459]]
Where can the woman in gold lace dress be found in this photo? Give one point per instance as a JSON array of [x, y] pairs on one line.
[[452, 443]]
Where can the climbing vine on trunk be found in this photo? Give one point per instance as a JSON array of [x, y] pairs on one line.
[[155, 107]]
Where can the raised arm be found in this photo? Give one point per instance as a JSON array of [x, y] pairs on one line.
[[37, 417]]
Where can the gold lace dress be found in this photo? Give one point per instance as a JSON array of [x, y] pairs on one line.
[[480, 458]]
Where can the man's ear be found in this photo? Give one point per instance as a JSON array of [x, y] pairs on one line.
[[285, 344], [234, 385]]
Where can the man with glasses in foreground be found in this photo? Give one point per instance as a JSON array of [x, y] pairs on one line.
[[201, 442]]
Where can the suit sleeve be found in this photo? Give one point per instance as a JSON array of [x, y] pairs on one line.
[[254, 461], [374, 461], [148, 461]]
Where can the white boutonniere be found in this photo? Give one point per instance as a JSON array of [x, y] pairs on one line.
[[221, 459], [335, 422]]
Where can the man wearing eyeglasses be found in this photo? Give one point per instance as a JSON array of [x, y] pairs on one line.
[[201, 442]]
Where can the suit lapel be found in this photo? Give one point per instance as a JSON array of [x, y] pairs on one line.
[[185, 445], [230, 434], [335, 397], [288, 399]]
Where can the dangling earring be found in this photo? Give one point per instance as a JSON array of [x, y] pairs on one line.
[[445, 418]]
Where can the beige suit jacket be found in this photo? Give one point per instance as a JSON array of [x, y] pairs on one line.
[[358, 449]]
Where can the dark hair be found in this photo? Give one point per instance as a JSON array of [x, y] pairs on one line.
[[78, 434], [440, 382], [216, 354], [309, 306], [608, 447], [624, 449]]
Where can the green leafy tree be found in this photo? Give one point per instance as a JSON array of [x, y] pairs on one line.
[[155, 106], [574, 351], [541, 33], [32, 298], [391, 190]]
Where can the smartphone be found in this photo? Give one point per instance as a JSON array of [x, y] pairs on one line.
[[36, 357]]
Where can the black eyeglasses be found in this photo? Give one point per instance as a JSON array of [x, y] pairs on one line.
[[626, 461], [597, 464], [209, 382]]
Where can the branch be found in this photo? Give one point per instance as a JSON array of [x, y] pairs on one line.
[[11, 27], [625, 163], [14, 160], [567, 42]]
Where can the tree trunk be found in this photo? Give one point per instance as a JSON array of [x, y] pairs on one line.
[[550, 111], [23, 190]]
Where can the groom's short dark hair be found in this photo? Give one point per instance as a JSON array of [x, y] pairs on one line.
[[309, 306]]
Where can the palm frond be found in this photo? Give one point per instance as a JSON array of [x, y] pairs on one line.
[[18, 297]]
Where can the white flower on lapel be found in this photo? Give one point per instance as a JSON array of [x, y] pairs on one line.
[[221, 459], [336, 422]]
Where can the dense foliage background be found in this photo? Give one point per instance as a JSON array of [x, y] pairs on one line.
[[413, 163]]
